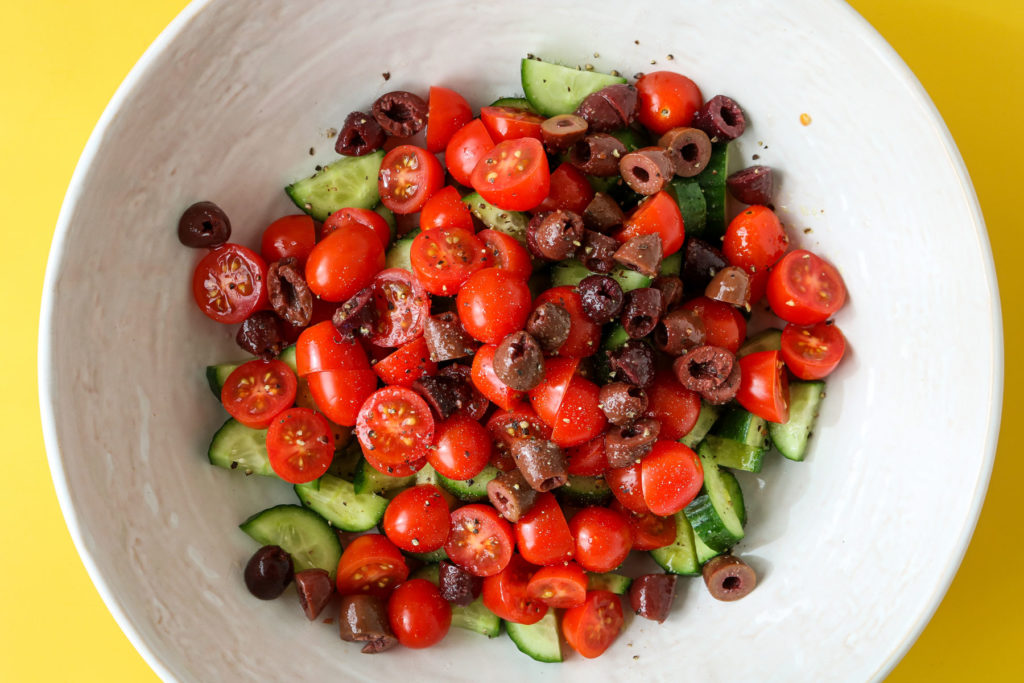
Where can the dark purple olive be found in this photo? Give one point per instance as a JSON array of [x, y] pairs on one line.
[[269, 572], [204, 225]]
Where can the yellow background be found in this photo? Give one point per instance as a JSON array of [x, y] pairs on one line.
[[61, 60]]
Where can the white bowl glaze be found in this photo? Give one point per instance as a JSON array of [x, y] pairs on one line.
[[855, 547]]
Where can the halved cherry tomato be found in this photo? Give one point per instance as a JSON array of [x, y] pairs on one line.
[[344, 262], [474, 404], [402, 469], [812, 352], [764, 386], [509, 123], [444, 258], [658, 215], [584, 335], [229, 283], [507, 252], [492, 304], [488, 383], [592, 627], [561, 586], [505, 427], [300, 445], [465, 150], [418, 615], [723, 324], [339, 394], [542, 534], [570, 191], [602, 538], [343, 218], [627, 487], [402, 308], [546, 398], [514, 175], [321, 347], [462, 448], [445, 209], [409, 175], [292, 236], [587, 460], [395, 425], [674, 406], [479, 541], [805, 288], [667, 100], [407, 364], [370, 565], [417, 519], [758, 285], [672, 476], [580, 417], [258, 391], [447, 112], [506, 595], [755, 239], [649, 531]]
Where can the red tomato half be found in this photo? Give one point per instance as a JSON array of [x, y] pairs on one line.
[[505, 427], [402, 469], [542, 534], [445, 209], [444, 258], [649, 531], [584, 335], [492, 304], [514, 175], [805, 289], [506, 593], [479, 541], [258, 391], [343, 218], [667, 100], [321, 347], [288, 236], [371, 565], [570, 191], [755, 239], [546, 398], [407, 364], [419, 616], [764, 386], [408, 176], [488, 383], [462, 448], [300, 445], [509, 123], [339, 394], [344, 262], [229, 283], [674, 406], [592, 627], [587, 460], [812, 352], [560, 586], [602, 538], [580, 417], [447, 112], [507, 252], [402, 308], [723, 325], [627, 487], [672, 476], [658, 215], [395, 425], [465, 150], [417, 519]]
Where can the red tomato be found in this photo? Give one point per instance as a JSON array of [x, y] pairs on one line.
[[288, 236], [509, 123], [408, 176], [672, 405], [475, 404], [667, 100], [395, 425], [505, 427], [506, 595], [465, 150], [758, 285], [488, 383], [542, 534], [344, 262], [416, 520], [371, 565], [445, 209], [229, 283], [812, 352], [479, 541], [546, 398], [580, 417], [258, 391], [493, 304], [588, 460], [764, 386], [602, 538], [627, 487], [805, 288], [658, 215], [723, 324], [343, 218], [649, 531], [321, 347], [402, 469], [507, 252], [300, 445], [444, 258], [447, 112], [419, 616], [407, 364], [584, 335], [339, 394], [755, 239], [592, 627], [559, 587], [402, 308], [671, 476], [514, 175], [570, 191], [463, 448]]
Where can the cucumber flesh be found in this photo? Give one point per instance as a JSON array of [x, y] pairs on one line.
[[716, 513], [704, 553], [472, 617], [791, 437], [765, 340], [540, 640], [553, 89], [692, 205], [712, 183], [433, 557], [512, 223], [672, 265], [609, 581], [237, 447], [681, 556], [287, 356], [570, 272], [742, 426], [732, 454], [369, 480], [471, 490], [216, 375], [389, 217], [346, 461], [337, 501], [300, 532], [705, 421], [583, 491], [398, 256], [349, 181]]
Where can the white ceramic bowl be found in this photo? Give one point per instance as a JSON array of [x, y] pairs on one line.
[[855, 547]]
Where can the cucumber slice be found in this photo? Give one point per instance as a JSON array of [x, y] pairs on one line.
[[427, 475], [471, 490], [614, 338], [512, 223], [346, 461], [216, 375], [681, 556], [732, 487], [349, 181], [472, 617], [765, 340], [791, 437], [397, 255], [287, 356], [732, 454], [705, 421], [712, 183], [514, 102], [672, 265], [609, 581], [692, 205], [433, 557], [539, 640], [704, 553], [369, 480], [237, 447], [583, 491], [337, 501], [300, 532], [743, 426], [389, 218], [554, 89], [716, 513], [570, 272]]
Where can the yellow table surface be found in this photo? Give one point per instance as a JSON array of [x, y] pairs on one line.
[[61, 62]]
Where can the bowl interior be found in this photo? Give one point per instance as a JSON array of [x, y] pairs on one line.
[[854, 547]]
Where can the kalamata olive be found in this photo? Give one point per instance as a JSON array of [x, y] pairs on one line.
[[556, 235], [511, 495], [610, 108], [289, 295], [641, 312], [641, 253], [356, 315], [269, 572], [648, 170], [632, 362], [700, 263], [519, 361], [262, 334], [440, 393], [541, 462], [457, 586], [315, 589], [400, 113], [360, 135], [549, 324], [691, 150], [603, 214], [204, 225], [602, 298], [626, 445], [731, 285], [711, 371], [651, 596], [679, 331], [597, 253], [721, 118], [597, 154], [752, 185], [728, 578], [622, 403], [671, 288], [561, 132]]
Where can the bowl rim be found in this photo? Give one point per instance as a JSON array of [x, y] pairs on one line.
[[138, 72]]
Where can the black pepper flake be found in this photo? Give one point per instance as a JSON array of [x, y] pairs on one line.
[[755, 157], [386, 75], [312, 151]]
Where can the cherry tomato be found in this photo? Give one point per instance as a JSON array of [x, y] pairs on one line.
[[343, 218], [755, 239], [321, 347], [509, 123], [805, 289], [344, 262], [475, 404], [370, 565], [584, 335], [419, 616], [445, 209], [812, 352], [493, 304], [580, 417], [395, 425], [444, 258], [723, 324], [674, 406], [407, 364], [447, 112], [416, 520], [258, 391], [592, 627], [229, 283], [402, 308], [570, 191], [649, 531], [463, 448], [587, 460], [764, 386], [506, 595], [507, 252], [602, 538], [339, 394], [488, 383], [546, 398], [542, 534], [514, 175], [671, 476], [300, 445], [561, 586], [627, 487], [667, 100], [658, 215], [505, 427], [465, 150], [758, 285], [399, 470], [292, 236], [479, 541], [408, 176]]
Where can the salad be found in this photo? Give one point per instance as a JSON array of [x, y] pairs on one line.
[[494, 380]]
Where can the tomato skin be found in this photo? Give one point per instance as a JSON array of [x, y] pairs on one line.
[[374, 559], [258, 391], [402, 308], [505, 426], [667, 100], [658, 215], [339, 394], [493, 304], [514, 175], [343, 218], [445, 209], [488, 384], [321, 347], [443, 259], [509, 123], [480, 541], [674, 406], [507, 252], [230, 283], [649, 531], [723, 324], [627, 487], [300, 445], [805, 289], [559, 586], [588, 459], [344, 262], [409, 175], [755, 239], [813, 351], [542, 534], [288, 236], [463, 448], [671, 476], [396, 425], [419, 616], [398, 470], [505, 593], [602, 538], [447, 112], [416, 520], [546, 398], [764, 386], [570, 191], [580, 417], [465, 150], [592, 627], [584, 336], [406, 365]]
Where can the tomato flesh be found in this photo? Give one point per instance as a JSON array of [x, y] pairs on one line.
[[465, 150], [401, 308], [444, 258], [580, 417], [723, 325], [230, 283], [506, 593], [584, 336], [344, 262], [560, 586], [371, 565], [627, 487], [418, 615], [546, 398], [813, 351], [649, 531], [339, 394], [487, 382], [764, 386], [805, 289], [658, 215], [395, 425], [342, 219], [479, 540], [406, 365], [514, 175], [542, 534], [300, 445], [321, 347], [288, 236], [409, 175], [675, 407], [258, 391], [570, 191], [509, 123], [592, 627], [445, 209], [507, 252], [667, 100]]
